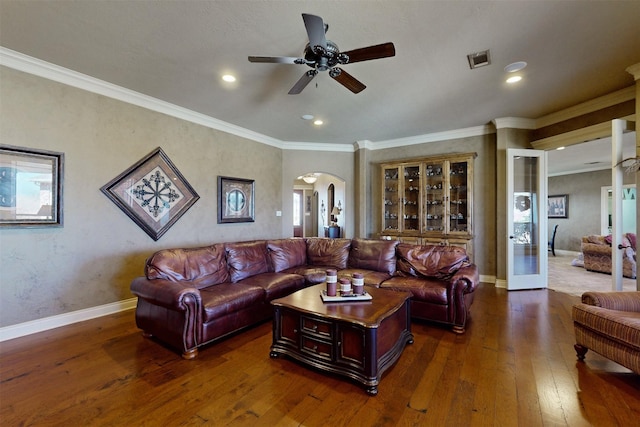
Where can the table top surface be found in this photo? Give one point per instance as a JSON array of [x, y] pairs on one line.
[[370, 314]]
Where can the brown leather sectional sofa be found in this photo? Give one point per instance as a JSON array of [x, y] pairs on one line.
[[192, 296]]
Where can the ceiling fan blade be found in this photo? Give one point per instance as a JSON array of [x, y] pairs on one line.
[[315, 30], [384, 50], [303, 82], [274, 59], [347, 80]]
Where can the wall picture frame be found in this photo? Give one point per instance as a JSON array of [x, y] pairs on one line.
[[236, 200], [558, 206], [152, 192], [31, 184]]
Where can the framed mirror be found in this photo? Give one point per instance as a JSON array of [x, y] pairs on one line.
[[30, 187]]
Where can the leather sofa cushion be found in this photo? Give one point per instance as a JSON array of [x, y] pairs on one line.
[[246, 259], [430, 260], [287, 253], [275, 285], [328, 252], [375, 255], [312, 274], [429, 290], [203, 267], [227, 298]]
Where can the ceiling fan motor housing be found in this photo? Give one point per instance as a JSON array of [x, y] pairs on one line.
[[324, 59]]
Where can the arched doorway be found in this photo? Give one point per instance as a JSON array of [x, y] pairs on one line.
[[318, 204]]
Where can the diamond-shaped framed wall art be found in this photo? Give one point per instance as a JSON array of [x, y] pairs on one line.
[[152, 192]]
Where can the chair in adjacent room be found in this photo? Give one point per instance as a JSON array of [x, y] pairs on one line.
[[552, 241]]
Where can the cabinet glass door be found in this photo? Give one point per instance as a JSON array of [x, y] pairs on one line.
[[458, 206], [391, 199], [434, 201], [411, 201]]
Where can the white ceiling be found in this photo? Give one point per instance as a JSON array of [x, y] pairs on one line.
[[589, 156], [178, 50]]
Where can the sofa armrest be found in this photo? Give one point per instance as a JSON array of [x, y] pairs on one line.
[[468, 275], [178, 296], [620, 301]]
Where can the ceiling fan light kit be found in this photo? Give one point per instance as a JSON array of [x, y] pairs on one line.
[[321, 54]]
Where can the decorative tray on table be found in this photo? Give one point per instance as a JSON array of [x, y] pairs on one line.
[[345, 298]]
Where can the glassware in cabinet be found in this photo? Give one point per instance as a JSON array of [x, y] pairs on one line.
[[391, 198], [458, 198], [411, 199], [434, 201]]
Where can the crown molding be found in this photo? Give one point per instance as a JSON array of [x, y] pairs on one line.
[[365, 143], [514, 123], [40, 68], [317, 146], [434, 137], [37, 67], [634, 70], [589, 133], [592, 105]]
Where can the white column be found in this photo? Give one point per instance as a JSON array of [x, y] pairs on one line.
[[617, 127]]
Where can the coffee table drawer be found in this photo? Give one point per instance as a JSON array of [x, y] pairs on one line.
[[317, 348], [317, 327]]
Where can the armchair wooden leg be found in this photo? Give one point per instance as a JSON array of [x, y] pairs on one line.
[[458, 329], [580, 351], [190, 354]]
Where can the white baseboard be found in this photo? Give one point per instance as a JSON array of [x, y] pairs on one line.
[[487, 279], [567, 253], [501, 283], [44, 324]]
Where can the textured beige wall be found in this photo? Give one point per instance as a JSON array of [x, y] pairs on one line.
[[92, 259], [585, 196], [484, 197]]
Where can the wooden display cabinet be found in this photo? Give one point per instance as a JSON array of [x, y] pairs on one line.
[[429, 200]]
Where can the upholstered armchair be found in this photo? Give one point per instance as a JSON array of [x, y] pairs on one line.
[[609, 324], [596, 251]]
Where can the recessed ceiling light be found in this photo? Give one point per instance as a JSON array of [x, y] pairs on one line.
[[560, 148], [514, 79], [516, 66], [307, 117], [229, 78], [318, 122]]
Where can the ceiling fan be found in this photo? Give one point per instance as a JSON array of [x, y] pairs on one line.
[[323, 55]]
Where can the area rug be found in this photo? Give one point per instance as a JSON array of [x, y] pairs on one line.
[[564, 277]]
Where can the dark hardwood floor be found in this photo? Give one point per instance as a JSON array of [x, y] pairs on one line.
[[515, 366]]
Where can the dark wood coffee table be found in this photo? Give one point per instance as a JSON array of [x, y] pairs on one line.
[[357, 339]]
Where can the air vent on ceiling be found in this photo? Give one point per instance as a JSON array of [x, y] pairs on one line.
[[479, 59]]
